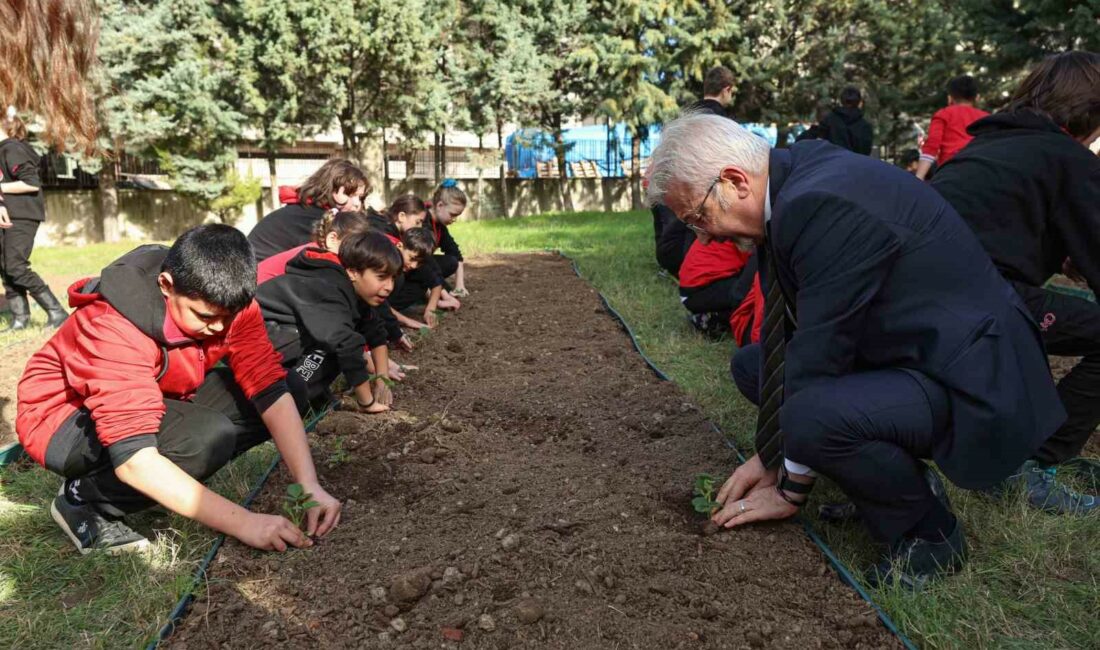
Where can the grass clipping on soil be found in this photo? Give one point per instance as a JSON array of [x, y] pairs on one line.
[[554, 509]]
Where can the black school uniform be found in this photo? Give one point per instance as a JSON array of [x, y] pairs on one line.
[[288, 227], [382, 224], [432, 272], [19, 162], [318, 323], [1031, 193]]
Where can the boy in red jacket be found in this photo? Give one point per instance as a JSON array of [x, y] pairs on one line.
[[715, 279], [124, 401], [947, 134]]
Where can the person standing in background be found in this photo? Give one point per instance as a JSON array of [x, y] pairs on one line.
[[26, 210], [846, 126], [947, 134]]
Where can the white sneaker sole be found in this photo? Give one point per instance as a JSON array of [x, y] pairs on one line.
[[138, 546]]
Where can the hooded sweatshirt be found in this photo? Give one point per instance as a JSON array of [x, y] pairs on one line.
[[316, 299], [1032, 195], [120, 355], [289, 226], [845, 127]]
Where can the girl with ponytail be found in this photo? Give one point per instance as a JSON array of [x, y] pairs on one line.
[[327, 234]]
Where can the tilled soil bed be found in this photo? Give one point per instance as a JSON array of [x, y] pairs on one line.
[[533, 491]]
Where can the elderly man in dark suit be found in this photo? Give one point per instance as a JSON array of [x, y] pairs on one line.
[[888, 338]]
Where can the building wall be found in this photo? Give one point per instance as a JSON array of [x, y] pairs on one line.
[[163, 214]]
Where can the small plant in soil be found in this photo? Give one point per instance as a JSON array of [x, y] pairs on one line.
[[296, 502], [339, 454], [704, 502], [385, 380]]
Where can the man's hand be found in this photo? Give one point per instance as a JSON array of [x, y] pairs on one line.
[[5, 220], [763, 503], [745, 478], [382, 392], [326, 515], [272, 532], [430, 319]]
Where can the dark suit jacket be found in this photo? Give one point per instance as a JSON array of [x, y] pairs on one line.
[[882, 273]]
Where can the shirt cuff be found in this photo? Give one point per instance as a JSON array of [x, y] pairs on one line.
[[797, 468], [121, 451], [268, 396], [928, 157]]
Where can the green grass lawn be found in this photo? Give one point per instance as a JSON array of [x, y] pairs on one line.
[[1032, 581]]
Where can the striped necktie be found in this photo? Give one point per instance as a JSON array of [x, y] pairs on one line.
[[769, 437]]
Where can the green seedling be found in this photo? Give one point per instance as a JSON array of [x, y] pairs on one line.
[[385, 380], [296, 502], [704, 495]]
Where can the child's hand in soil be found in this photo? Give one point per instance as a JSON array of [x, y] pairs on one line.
[[326, 514], [405, 343], [375, 407], [382, 392], [430, 319], [271, 533], [397, 370], [763, 503], [460, 292]]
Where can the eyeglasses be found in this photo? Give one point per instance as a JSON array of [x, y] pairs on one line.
[[696, 215]]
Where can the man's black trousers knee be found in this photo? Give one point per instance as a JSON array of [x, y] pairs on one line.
[[16, 244], [867, 432], [199, 436], [1070, 327]]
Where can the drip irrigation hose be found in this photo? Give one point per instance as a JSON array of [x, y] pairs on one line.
[[842, 570], [183, 605]]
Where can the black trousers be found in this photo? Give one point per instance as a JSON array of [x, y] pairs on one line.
[[446, 264], [199, 436], [16, 244], [1070, 327], [867, 432], [721, 296]]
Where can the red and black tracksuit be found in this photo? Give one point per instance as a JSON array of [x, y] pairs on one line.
[[382, 224], [119, 376], [1031, 193], [285, 228], [318, 323], [433, 271], [717, 278]]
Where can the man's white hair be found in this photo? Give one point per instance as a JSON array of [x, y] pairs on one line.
[[696, 147]]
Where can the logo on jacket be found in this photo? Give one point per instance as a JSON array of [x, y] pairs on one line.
[[1048, 320], [310, 364]]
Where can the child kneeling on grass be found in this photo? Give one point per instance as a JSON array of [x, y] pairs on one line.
[[715, 279], [320, 315], [125, 402]]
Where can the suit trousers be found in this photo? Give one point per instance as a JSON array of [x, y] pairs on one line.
[[867, 432]]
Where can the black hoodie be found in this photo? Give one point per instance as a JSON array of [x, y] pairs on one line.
[[845, 127], [19, 162], [288, 227], [1032, 195], [316, 297]]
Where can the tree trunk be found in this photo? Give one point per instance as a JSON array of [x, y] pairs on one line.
[[636, 172], [563, 181], [107, 226], [273, 178], [503, 172]]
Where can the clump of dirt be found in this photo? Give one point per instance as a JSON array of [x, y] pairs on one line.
[[555, 514]]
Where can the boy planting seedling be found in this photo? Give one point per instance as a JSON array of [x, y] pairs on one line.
[[125, 401]]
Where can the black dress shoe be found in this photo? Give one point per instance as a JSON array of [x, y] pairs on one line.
[[914, 562]]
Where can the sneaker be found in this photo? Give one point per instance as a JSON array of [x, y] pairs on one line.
[[1045, 492], [91, 531], [1087, 470], [914, 562]]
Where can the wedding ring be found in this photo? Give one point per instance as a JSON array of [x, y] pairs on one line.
[[742, 506]]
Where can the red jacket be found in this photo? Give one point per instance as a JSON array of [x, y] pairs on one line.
[[275, 265], [121, 362], [706, 264], [749, 314], [947, 134]]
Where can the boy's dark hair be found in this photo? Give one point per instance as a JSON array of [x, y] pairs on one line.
[[1066, 88], [908, 157], [371, 250], [851, 97], [335, 174], [213, 262], [344, 224], [407, 203], [716, 80], [963, 87], [420, 241]]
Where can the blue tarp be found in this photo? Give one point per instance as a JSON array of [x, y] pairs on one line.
[[527, 147]]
